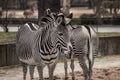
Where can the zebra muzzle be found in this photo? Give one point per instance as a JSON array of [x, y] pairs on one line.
[[52, 51]]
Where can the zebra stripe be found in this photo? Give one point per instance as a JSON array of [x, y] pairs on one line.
[[84, 45], [40, 45]]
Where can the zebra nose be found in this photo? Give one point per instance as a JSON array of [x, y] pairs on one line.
[[69, 46], [66, 52]]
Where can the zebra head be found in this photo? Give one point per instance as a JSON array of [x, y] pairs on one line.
[[60, 35]]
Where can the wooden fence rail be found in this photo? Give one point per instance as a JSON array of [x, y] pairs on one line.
[[108, 46], [8, 54]]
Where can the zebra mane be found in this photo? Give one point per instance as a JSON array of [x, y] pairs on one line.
[[31, 26], [88, 28], [49, 18]]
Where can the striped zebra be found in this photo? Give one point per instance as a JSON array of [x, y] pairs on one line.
[[84, 45], [33, 27], [40, 45]]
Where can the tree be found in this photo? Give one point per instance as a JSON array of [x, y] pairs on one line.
[[91, 3], [23, 4], [41, 9], [5, 20], [53, 5], [1, 3], [97, 4]]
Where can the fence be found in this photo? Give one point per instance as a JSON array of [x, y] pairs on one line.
[[108, 46], [8, 54]]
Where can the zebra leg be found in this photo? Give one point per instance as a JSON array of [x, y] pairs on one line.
[[90, 70], [31, 70], [72, 68], [66, 67], [91, 62], [40, 72], [83, 64], [24, 65], [51, 70]]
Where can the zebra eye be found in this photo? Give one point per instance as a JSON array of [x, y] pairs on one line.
[[60, 34]]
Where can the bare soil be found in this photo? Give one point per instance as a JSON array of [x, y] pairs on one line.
[[111, 73], [105, 68]]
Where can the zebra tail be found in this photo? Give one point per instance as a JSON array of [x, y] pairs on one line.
[[90, 46]]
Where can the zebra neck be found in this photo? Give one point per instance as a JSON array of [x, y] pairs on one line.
[[45, 43], [48, 25]]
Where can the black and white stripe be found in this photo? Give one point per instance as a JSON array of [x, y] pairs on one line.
[[39, 45], [84, 46]]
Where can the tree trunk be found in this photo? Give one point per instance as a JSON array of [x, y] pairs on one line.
[[41, 8], [53, 5], [23, 4], [91, 3], [5, 21]]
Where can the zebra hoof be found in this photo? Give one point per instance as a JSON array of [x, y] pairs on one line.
[[66, 78], [32, 78], [73, 78], [24, 78]]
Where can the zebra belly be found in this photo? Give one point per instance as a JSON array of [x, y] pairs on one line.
[[49, 59], [77, 54], [29, 61]]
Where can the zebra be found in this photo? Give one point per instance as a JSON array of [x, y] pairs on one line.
[[40, 46], [33, 27], [84, 46]]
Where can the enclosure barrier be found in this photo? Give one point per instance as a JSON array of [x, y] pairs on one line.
[[108, 46], [8, 54]]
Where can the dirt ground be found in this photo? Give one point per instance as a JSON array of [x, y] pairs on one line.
[[105, 68], [111, 73]]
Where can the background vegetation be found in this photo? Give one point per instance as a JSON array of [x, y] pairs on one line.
[[10, 36], [7, 37]]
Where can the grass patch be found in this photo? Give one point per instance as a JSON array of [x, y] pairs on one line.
[[7, 37], [101, 34], [10, 36]]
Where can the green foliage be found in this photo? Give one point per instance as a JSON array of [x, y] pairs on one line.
[[10, 36], [7, 37], [104, 34]]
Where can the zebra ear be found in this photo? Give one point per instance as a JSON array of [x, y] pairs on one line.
[[68, 18], [59, 20], [48, 11]]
